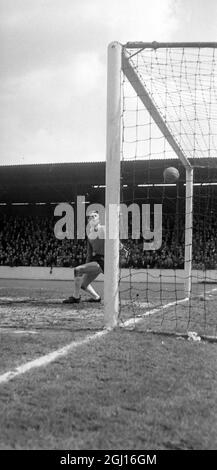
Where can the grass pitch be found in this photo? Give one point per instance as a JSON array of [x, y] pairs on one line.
[[126, 389]]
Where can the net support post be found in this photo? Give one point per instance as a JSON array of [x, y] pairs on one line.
[[188, 231], [112, 196]]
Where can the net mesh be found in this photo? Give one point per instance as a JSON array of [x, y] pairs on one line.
[[182, 86]]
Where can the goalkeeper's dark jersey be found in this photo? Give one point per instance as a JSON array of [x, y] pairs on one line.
[[96, 246]]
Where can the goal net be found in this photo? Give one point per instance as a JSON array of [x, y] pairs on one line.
[[162, 113]]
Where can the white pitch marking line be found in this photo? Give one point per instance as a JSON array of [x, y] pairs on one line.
[[18, 332], [48, 358], [51, 357], [211, 290], [28, 300], [132, 321]]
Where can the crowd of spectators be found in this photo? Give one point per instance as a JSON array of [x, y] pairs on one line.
[[30, 241]]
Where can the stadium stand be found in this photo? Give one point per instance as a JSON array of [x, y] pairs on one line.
[[30, 241], [29, 194]]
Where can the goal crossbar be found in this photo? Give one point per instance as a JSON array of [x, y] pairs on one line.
[[157, 45]]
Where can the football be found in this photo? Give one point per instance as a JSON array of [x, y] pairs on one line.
[[171, 175]]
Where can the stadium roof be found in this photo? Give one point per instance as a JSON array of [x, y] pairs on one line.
[[56, 182]]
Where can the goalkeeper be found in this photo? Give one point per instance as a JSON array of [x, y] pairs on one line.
[[88, 272]]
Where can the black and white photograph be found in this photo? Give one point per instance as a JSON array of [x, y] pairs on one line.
[[108, 232]]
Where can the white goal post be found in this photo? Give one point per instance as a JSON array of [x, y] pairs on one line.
[[120, 63]]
